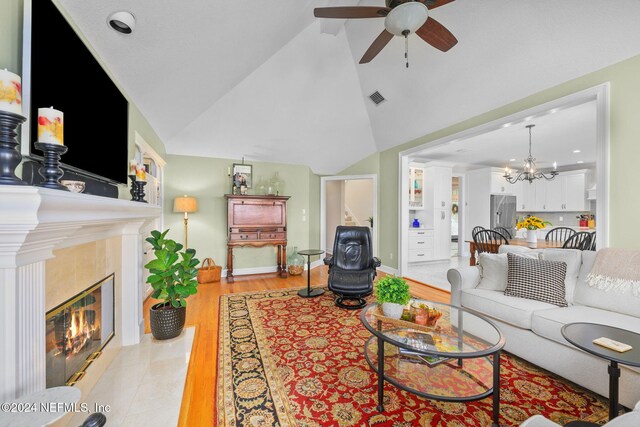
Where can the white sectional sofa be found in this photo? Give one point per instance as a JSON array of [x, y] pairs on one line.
[[532, 328]]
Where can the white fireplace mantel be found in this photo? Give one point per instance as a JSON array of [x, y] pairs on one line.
[[33, 223]]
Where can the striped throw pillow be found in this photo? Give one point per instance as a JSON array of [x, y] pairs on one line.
[[535, 279]]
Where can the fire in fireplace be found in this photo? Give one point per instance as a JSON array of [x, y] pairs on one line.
[[77, 331]]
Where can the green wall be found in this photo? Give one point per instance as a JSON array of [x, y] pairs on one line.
[[624, 79], [11, 40], [207, 180]]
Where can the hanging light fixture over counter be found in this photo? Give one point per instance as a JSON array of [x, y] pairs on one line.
[[530, 171]]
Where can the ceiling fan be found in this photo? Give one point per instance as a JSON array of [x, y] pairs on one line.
[[402, 17]]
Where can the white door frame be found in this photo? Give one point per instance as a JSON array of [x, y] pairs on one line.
[[461, 211], [599, 93], [323, 206]]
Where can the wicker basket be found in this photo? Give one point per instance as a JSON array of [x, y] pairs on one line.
[[296, 270], [209, 271]]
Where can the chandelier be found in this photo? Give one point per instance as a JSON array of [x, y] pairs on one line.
[[530, 172]]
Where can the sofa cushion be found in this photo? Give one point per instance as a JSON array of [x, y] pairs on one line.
[[493, 270], [607, 300], [495, 304], [547, 323], [520, 250], [536, 279], [573, 259]]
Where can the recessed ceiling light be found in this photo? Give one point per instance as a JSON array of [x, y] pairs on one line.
[[579, 162], [122, 22], [512, 160], [577, 151], [506, 125], [554, 110]]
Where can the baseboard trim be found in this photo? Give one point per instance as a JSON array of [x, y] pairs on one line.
[[388, 270], [265, 270], [435, 288]]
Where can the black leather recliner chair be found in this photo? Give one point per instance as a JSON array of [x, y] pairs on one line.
[[352, 266]]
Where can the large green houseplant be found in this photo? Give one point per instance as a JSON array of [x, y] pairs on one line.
[[392, 293], [172, 276]]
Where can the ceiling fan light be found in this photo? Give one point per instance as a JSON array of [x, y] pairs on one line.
[[406, 17]]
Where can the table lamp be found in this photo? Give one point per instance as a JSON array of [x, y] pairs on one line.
[[185, 205]]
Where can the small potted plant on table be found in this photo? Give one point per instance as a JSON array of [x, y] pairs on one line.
[[173, 278], [392, 293]]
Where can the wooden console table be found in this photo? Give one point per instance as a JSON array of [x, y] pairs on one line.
[[257, 221]]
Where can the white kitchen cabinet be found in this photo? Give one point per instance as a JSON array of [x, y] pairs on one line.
[[437, 194], [525, 196], [566, 193], [499, 185], [575, 189], [416, 188], [420, 245]]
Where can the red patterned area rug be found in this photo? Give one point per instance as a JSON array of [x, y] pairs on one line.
[[291, 361]]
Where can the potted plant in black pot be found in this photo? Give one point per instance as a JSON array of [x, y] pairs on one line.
[[173, 278]]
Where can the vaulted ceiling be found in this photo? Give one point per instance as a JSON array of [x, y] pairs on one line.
[[268, 81]]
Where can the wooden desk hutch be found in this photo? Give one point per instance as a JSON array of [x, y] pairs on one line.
[[257, 221]]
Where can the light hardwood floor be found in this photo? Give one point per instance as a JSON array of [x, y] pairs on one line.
[[198, 401]]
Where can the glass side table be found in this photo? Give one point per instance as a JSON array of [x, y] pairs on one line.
[[310, 293]]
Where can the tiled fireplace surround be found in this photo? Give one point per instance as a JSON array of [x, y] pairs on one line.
[[54, 244]]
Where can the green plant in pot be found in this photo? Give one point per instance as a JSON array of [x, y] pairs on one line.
[[173, 276], [392, 293]]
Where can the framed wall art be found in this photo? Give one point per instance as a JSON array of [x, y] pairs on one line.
[[242, 175]]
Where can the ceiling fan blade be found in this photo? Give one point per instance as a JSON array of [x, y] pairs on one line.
[[378, 44], [351, 12], [436, 3], [437, 35]]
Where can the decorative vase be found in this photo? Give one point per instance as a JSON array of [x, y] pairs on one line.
[[275, 184], [295, 262], [392, 310], [532, 236], [166, 321]]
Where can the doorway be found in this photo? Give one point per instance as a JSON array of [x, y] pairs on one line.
[[470, 159], [347, 200]]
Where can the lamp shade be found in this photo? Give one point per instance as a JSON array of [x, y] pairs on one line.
[[408, 16], [185, 204]]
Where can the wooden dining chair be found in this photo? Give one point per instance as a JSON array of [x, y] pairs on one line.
[[581, 240], [476, 229], [489, 241], [506, 233], [559, 234]]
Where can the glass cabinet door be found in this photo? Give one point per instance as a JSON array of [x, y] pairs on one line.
[[416, 188]]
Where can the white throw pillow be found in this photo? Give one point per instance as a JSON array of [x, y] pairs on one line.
[[493, 271], [573, 259]]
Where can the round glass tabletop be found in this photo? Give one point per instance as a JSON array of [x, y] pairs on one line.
[[311, 252], [458, 333]]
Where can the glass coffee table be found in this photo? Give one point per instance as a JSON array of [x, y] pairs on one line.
[[457, 360]]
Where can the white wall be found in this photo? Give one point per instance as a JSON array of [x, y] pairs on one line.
[[358, 195]]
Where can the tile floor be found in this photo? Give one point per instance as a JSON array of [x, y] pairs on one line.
[[144, 383], [435, 273]]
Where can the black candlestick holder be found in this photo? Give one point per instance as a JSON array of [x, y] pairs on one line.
[[50, 170], [10, 156], [137, 190]]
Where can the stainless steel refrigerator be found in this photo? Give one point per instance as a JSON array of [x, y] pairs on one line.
[[503, 212]]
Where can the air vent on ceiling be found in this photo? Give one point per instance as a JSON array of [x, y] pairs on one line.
[[376, 97]]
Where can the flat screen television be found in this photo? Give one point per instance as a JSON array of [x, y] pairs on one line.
[[65, 75]]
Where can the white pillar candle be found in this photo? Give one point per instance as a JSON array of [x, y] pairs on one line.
[[141, 173], [133, 167], [10, 92], [50, 126]]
